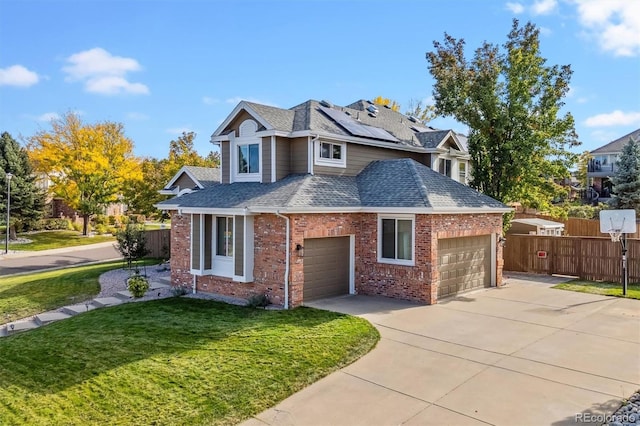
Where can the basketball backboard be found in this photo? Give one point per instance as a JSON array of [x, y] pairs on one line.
[[622, 221]]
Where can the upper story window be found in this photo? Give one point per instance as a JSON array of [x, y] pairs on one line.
[[396, 239], [330, 154], [246, 152], [462, 172], [445, 167]]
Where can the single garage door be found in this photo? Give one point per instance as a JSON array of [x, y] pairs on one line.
[[464, 264], [326, 267]]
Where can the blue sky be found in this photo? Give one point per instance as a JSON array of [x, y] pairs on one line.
[[163, 67]]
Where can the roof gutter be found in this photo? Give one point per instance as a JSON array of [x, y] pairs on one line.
[[286, 268]]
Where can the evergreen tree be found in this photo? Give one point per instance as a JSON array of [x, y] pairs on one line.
[[27, 200], [626, 180]]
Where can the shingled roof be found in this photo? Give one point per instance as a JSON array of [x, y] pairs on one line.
[[206, 176], [397, 183], [618, 144], [309, 116]]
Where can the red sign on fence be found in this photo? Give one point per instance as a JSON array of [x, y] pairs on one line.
[[542, 254]]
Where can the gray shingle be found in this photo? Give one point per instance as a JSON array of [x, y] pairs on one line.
[[207, 176], [401, 183]]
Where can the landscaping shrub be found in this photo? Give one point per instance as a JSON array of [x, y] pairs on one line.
[[137, 285], [77, 226], [179, 291], [101, 229], [100, 219], [258, 301]]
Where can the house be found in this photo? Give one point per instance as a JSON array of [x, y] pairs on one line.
[[603, 166], [321, 200], [190, 178], [535, 226]]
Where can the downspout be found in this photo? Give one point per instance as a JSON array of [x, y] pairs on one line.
[[286, 268]]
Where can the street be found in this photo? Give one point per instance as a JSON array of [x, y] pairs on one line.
[[20, 262]]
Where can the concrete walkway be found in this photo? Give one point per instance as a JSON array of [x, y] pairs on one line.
[[65, 312], [524, 354]]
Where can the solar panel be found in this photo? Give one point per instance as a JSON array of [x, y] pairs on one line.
[[358, 129]]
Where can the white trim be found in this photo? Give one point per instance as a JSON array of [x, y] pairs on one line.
[[494, 259], [241, 106], [329, 162], [396, 261], [352, 264], [273, 158], [309, 155], [183, 169], [245, 177], [294, 210]]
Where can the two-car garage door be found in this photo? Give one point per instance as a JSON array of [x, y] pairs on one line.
[[326, 267], [464, 264]]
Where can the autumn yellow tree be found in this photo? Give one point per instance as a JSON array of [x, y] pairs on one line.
[[87, 163], [379, 100]]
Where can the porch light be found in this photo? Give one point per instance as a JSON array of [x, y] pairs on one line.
[[300, 250]]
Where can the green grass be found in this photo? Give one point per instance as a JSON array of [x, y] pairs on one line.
[[57, 239], [154, 226], [603, 288], [29, 294], [175, 361]]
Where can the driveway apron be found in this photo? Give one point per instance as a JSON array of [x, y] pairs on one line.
[[523, 354]]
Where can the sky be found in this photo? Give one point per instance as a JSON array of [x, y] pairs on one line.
[[168, 66]]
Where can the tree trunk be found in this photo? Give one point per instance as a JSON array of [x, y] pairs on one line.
[[85, 225], [12, 233]]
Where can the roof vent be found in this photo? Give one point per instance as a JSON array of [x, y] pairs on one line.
[[414, 119], [387, 106], [326, 104], [373, 110], [348, 112]]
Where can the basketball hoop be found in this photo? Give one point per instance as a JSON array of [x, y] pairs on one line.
[[615, 235], [619, 223]]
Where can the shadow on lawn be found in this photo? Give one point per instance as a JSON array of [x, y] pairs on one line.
[[69, 352]]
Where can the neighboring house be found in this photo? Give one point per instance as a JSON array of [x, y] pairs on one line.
[[536, 226], [320, 200], [603, 166], [190, 178]]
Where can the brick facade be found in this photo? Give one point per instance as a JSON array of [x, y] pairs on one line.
[[417, 283]]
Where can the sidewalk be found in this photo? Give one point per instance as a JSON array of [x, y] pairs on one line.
[[17, 254]]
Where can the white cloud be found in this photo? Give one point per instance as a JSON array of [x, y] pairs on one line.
[[48, 117], [103, 73], [17, 75], [179, 130], [544, 7], [615, 24], [516, 8], [615, 118], [209, 101], [137, 116]]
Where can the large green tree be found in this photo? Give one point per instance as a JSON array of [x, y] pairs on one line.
[[626, 181], [88, 164], [511, 101], [27, 199]]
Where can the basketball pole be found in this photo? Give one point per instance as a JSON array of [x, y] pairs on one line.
[[625, 275]]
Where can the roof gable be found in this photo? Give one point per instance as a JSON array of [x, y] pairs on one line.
[[617, 145], [201, 177], [251, 109]]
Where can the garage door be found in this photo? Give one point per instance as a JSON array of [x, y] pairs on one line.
[[326, 267], [464, 264]]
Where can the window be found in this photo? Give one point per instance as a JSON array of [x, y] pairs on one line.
[[462, 172], [249, 158], [445, 167], [330, 154], [224, 236], [396, 240]]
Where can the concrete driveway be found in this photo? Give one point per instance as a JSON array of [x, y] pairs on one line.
[[524, 354]]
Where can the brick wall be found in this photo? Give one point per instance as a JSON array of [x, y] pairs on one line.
[[372, 278]]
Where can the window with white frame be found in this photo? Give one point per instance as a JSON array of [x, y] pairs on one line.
[[246, 154], [396, 239], [332, 154], [224, 236], [462, 172], [445, 167], [248, 158]]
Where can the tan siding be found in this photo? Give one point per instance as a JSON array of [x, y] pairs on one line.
[[283, 158], [225, 161], [238, 224], [236, 122], [185, 181], [358, 156], [195, 241], [299, 155], [266, 160]]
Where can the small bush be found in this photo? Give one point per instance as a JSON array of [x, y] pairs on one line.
[[100, 219], [100, 229], [137, 285], [179, 291], [258, 301], [77, 226]]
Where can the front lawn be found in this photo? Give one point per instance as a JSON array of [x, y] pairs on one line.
[[30, 294], [603, 288], [57, 239], [172, 361]]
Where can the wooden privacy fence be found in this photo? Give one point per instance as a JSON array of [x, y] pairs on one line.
[[590, 258], [159, 243], [574, 226]]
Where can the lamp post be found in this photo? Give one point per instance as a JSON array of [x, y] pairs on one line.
[[6, 231]]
